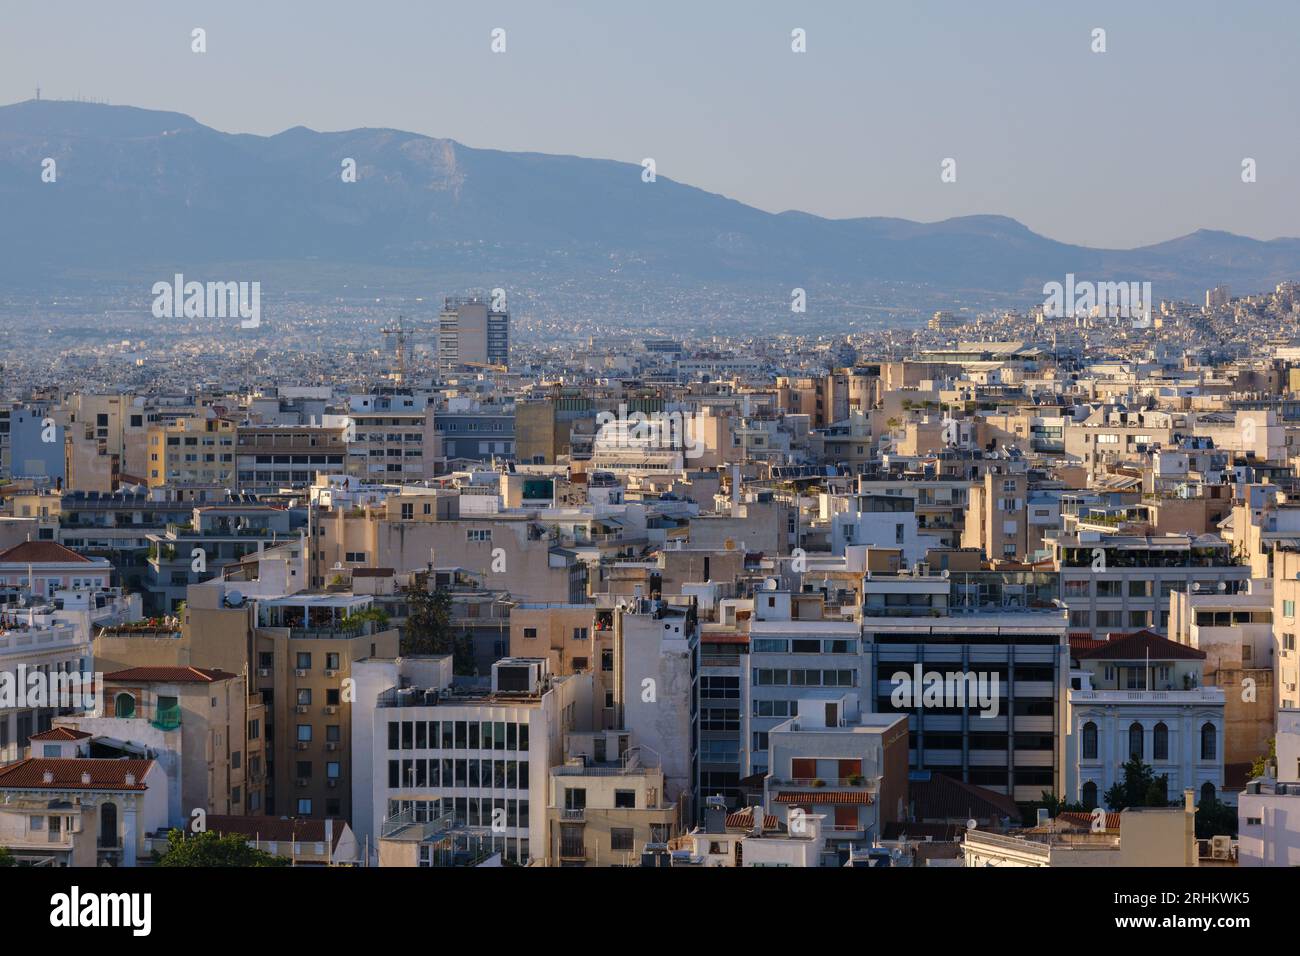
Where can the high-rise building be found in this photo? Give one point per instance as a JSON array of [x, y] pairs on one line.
[[472, 333]]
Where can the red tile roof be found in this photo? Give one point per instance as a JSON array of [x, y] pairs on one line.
[[1139, 646], [168, 675], [41, 552], [744, 819], [105, 774], [60, 733], [276, 829], [945, 798], [860, 797]]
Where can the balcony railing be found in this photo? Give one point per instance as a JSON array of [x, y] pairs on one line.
[[167, 718]]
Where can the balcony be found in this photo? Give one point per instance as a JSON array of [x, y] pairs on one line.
[[167, 718], [577, 815], [817, 783]]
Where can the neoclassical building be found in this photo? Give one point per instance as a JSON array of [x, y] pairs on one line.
[[1140, 695]]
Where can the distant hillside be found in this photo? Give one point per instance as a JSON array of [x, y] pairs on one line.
[[146, 191]]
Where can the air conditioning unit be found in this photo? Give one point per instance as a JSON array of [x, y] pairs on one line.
[[1221, 847], [302, 745], [331, 672], [332, 709], [331, 784], [301, 781], [302, 708], [300, 672], [331, 746], [264, 672]]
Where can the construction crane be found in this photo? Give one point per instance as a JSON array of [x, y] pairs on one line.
[[402, 353]]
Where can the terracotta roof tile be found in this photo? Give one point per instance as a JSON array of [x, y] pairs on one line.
[[1137, 646], [744, 819], [944, 798], [60, 733], [168, 675], [105, 774], [275, 829], [860, 797], [41, 552]]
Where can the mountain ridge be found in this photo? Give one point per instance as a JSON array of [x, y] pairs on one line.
[[140, 190]]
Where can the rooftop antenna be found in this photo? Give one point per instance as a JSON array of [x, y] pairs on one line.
[[38, 94]]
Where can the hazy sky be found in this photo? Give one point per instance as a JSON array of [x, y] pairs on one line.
[[1135, 145]]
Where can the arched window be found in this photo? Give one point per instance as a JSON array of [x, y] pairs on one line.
[[1090, 741], [124, 705], [1160, 741], [1209, 741], [1090, 794], [1135, 741], [1207, 791], [108, 825]]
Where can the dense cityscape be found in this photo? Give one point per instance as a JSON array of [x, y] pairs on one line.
[[611, 440]]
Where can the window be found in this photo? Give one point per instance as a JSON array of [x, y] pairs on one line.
[[1209, 742], [530, 633], [624, 799], [1160, 742], [124, 705], [1089, 741], [1135, 741], [1090, 795], [304, 661], [304, 733], [620, 838], [304, 807]]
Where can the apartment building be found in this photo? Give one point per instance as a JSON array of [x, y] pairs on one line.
[[656, 692], [306, 645], [1124, 582], [833, 759], [481, 755], [984, 686], [391, 437], [192, 450], [271, 457], [472, 333], [606, 803]]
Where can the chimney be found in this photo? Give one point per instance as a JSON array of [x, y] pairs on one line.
[[130, 780], [1044, 817], [1189, 800], [47, 777], [85, 778], [759, 818]]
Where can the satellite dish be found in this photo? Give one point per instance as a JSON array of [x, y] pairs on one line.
[[972, 824], [946, 572], [234, 598]]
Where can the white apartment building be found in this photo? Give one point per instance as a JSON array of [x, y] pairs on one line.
[[424, 748]]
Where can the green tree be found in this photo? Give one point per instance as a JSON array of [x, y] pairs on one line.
[[212, 849], [428, 627], [1139, 788], [1215, 818], [7, 857], [1264, 761]]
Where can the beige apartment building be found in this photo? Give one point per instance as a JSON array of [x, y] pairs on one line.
[[201, 718], [1286, 594], [191, 450], [305, 648], [415, 531], [572, 638], [606, 802]]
